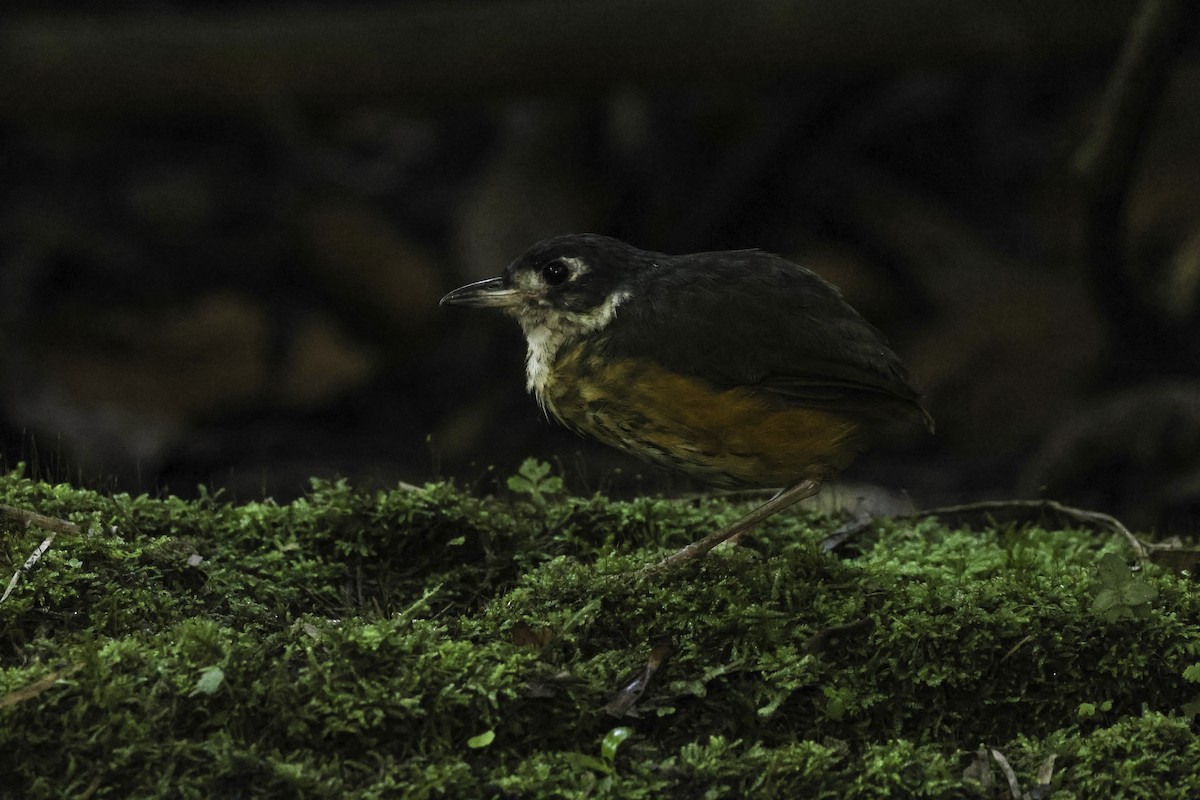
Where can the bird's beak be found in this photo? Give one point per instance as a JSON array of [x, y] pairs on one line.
[[489, 293]]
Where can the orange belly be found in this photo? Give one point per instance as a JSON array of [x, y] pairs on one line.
[[731, 437]]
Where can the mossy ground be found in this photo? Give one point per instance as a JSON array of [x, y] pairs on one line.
[[432, 643]]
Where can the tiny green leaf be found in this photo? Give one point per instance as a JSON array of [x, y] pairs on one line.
[[1105, 600], [1135, 593], [1086, 710], [533, 478], [534, 470], [1117, 613], [1114, 573], [482, 740], [773, 704], [1192, 673], [612, 740], [835, 705], [210, 680]]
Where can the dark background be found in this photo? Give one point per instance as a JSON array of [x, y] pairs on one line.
[[225, 228]]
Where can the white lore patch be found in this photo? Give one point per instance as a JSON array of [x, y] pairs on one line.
[[546, 331]]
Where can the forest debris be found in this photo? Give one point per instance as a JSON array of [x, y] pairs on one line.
[[1034, 512], [623, 703], [32, 518], [31, 690]]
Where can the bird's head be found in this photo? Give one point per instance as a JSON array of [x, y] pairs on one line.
[[563, 287]]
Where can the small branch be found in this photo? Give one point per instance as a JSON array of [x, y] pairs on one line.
[[1014, 785], [855, 526], [32, 690], [33, 519], [624, 702], [1032, 510]]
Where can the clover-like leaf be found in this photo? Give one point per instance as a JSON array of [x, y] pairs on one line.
[[1114, 572], [1105, 600], [1136, 593], [533, 478], [1117, 613]]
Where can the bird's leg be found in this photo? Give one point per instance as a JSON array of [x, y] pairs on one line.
[[788, 497]]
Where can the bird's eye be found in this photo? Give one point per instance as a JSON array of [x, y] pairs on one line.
[[555, 272]]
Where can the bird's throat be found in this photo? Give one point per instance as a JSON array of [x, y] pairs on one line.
[[548, 331]]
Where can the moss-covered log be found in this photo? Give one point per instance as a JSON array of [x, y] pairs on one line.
[[431, 643]]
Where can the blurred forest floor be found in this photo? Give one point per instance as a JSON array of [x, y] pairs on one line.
[[225, 231]]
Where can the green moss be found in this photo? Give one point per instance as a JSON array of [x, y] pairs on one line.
[[428, 643]]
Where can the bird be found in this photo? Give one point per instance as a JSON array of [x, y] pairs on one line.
[[738, 368]]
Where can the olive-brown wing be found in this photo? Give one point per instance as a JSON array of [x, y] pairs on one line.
[[754, 320]]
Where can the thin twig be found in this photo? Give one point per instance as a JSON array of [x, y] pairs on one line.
[[42, 684], [1046, 773], [1014, 785], [34, 519], [624, 702], [1023, 509], [861, 521], [39, 520]]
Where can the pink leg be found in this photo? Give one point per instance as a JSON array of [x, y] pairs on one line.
[[788, 497]]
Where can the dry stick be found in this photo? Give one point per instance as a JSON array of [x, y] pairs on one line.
[[1046, 773], [625, 700], [39, 520], [1014, 785], [1095, 519], [42, 684], [32, 518]]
